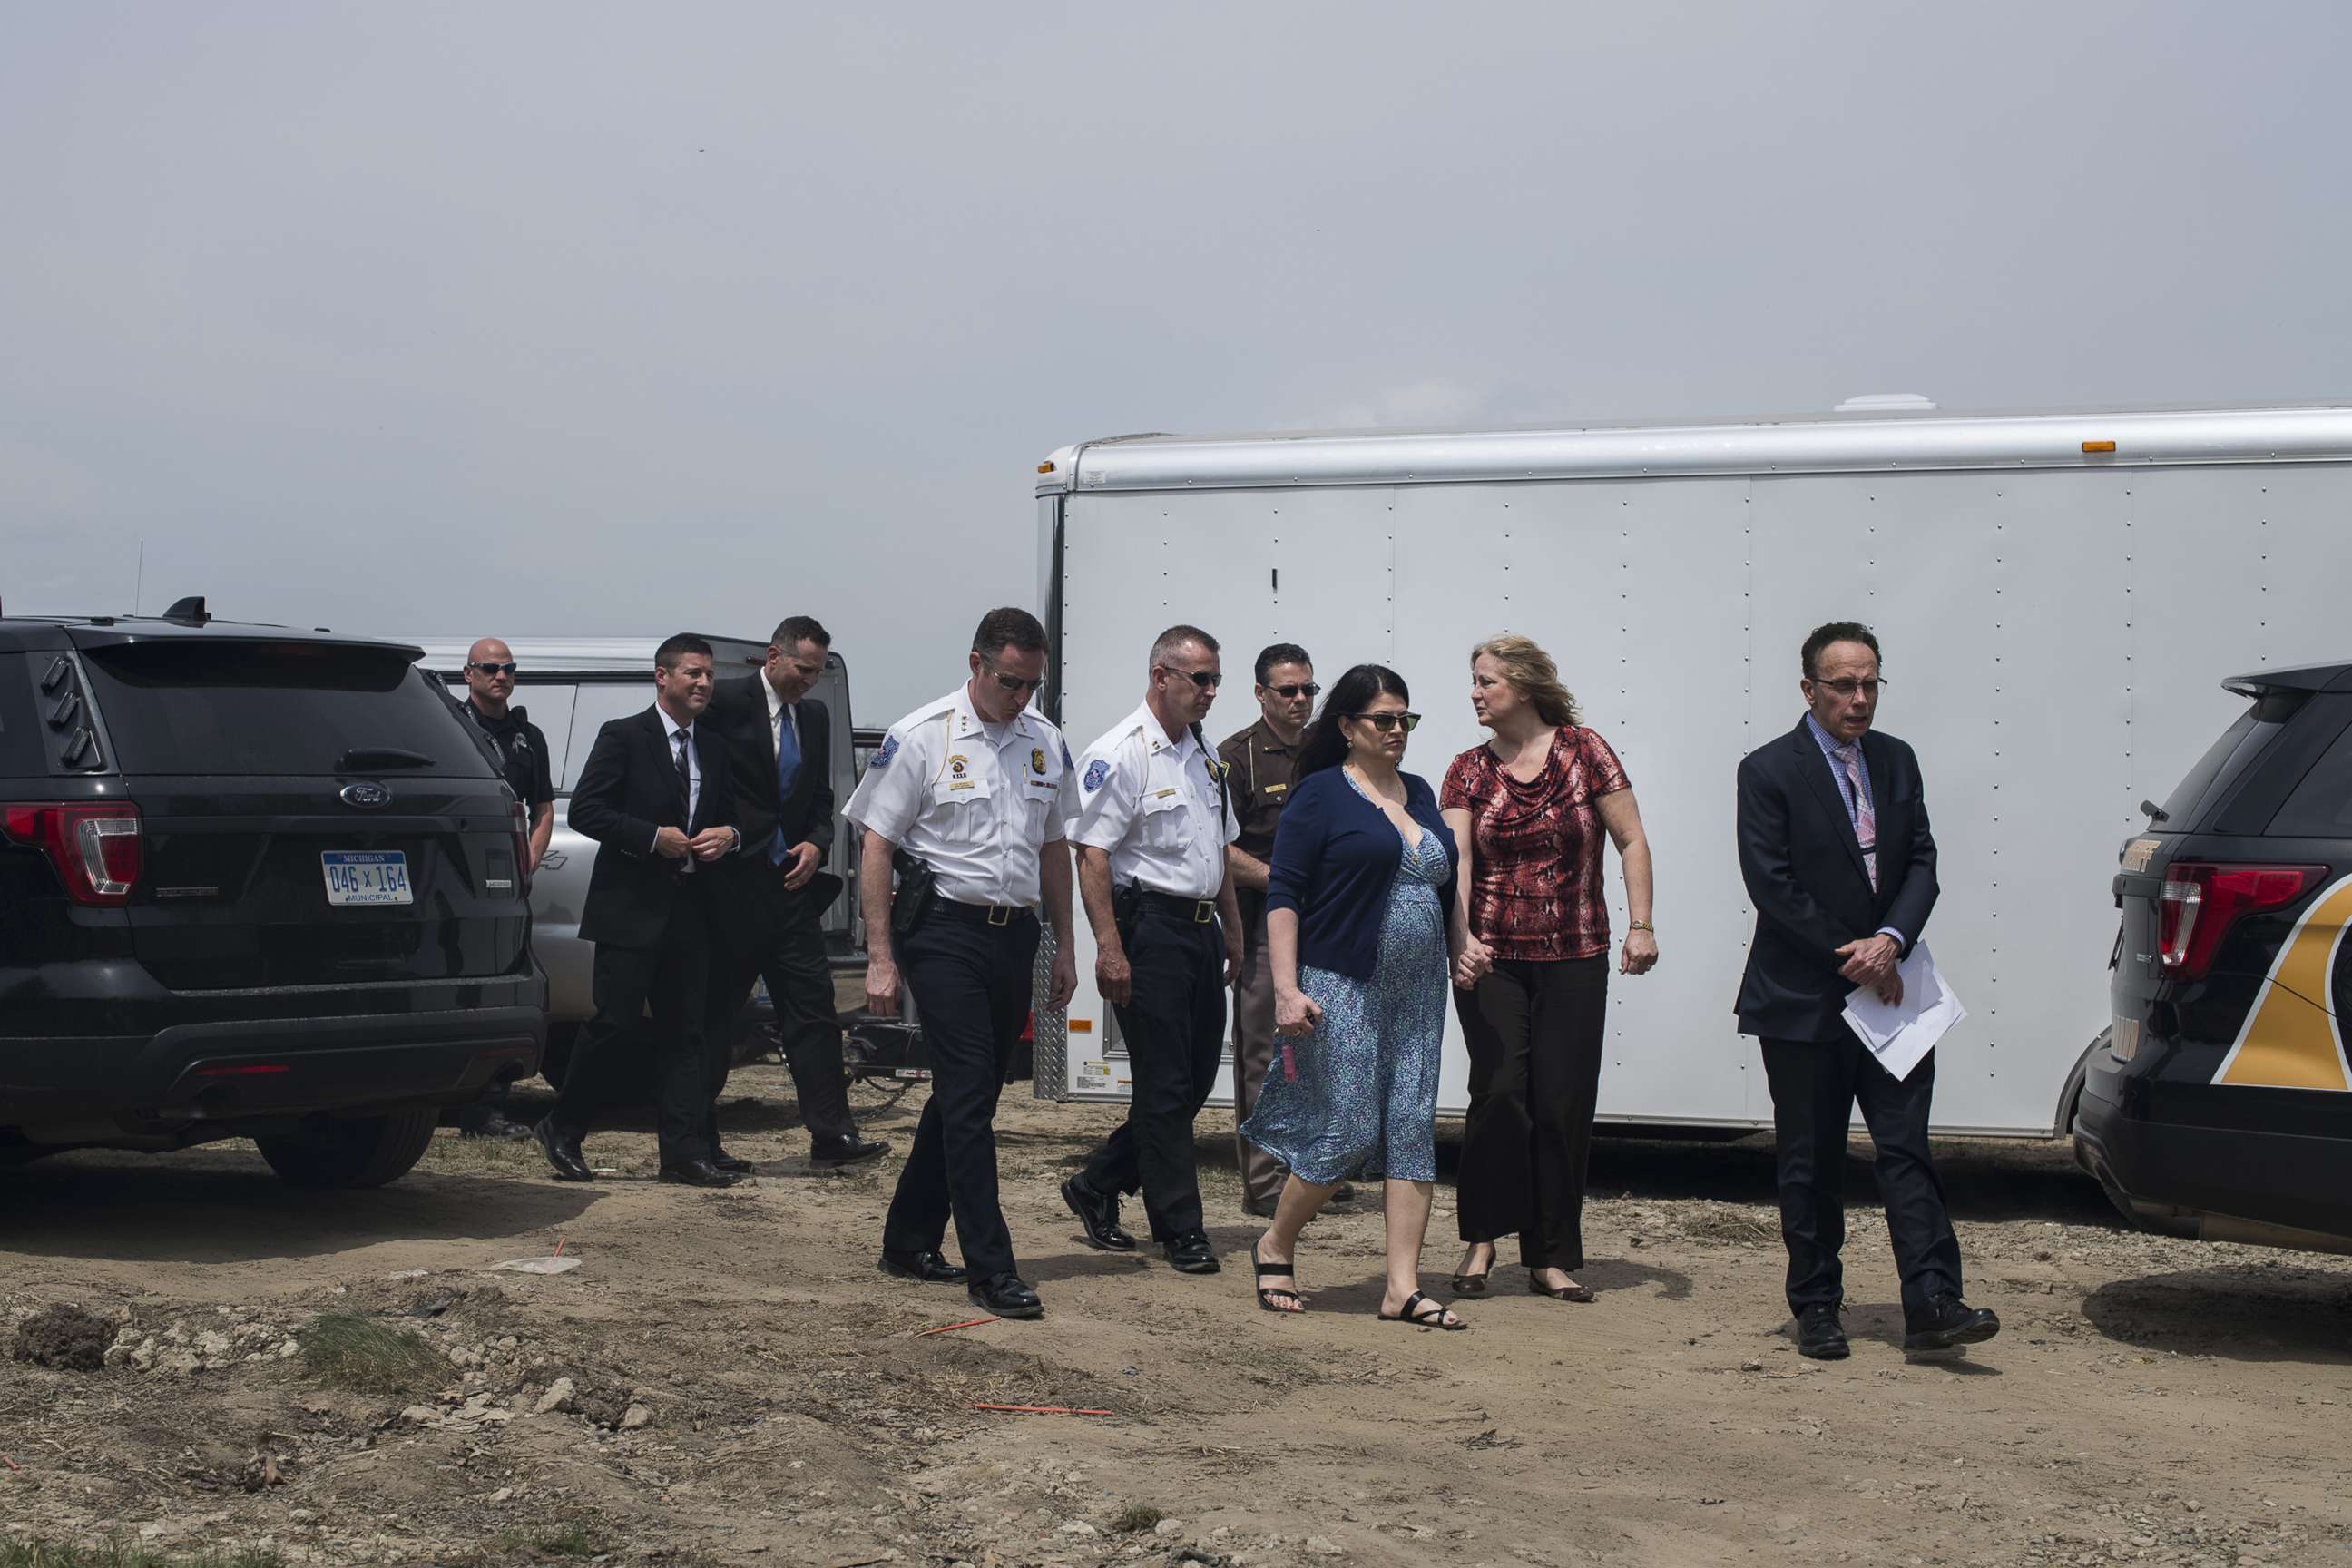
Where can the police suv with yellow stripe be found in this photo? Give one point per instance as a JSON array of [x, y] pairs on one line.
[[2222, 1103]]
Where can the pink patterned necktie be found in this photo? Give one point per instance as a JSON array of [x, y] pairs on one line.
[[1865, 820]]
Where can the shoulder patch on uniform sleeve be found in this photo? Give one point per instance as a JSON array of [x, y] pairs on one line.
[[1097, 771], [889, 750]]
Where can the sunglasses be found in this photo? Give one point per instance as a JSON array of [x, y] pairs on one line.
[[507, 668], [1308, 689], [1384, 722], [1014, 682], [1206, 679]]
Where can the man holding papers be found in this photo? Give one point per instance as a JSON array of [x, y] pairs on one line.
[[1836, 850]]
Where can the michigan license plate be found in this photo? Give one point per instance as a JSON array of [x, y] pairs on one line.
[[366, 877]]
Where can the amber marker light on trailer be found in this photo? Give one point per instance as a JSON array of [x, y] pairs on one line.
[[2099, 446], [1045, 467]]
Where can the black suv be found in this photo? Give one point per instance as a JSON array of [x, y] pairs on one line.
[[2219, 1104], [253, 882]]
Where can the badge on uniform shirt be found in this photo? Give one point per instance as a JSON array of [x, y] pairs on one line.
[[1274, 789], [1097, 771], [956, 765], [1218, 767], [1037, 760], [882, 758]]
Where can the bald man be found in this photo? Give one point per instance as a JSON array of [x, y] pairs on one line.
[[523, 759]]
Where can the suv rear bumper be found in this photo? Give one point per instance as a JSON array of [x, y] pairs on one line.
[[2222, 1183], [219, 1071]]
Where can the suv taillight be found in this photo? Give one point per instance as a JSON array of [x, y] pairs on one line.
[[96, 845], [2200, 903], [519, 814]]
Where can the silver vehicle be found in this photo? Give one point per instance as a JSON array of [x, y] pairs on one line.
[[571, 688]]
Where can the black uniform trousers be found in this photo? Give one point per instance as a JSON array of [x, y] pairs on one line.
[[971, 984], [1815, 1085], [1534, 1032], [779, 936], [1174, 1026], [673, 979]]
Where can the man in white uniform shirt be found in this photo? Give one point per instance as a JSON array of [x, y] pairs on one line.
[[975, 788], [1153, 822]]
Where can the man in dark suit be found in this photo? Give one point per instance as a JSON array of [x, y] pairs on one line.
[[1834, 846], [654, 796], [775, 892]]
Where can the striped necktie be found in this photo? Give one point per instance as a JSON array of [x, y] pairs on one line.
[[1865, 820]]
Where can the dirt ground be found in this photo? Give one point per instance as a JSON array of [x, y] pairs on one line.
[[725, 1379]]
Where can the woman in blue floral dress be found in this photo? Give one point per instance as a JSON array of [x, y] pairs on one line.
[[1359, 905]]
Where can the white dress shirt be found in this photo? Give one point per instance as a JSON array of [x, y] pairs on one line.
[[1151, 804], [671, 730], [975, 802]]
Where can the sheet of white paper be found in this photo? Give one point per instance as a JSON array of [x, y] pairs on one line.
[[1902, 1034]]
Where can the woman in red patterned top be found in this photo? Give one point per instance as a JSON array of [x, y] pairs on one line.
[[1528, 810]]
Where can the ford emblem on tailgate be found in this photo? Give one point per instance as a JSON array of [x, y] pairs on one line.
[[367, 791]]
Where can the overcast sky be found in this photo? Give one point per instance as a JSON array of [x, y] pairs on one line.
[[585, 319]]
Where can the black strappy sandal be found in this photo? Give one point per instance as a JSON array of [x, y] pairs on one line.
[[1269, 1295], [1423, 1314]]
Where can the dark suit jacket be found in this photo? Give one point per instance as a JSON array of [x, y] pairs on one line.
[[628, 789], [1805, 876], [739, 715]]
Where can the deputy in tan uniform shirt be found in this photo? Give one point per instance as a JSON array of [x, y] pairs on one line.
[[1260, 762]]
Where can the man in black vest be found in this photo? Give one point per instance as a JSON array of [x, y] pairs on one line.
[[523, 758], [653, 795], [1836, 850], [779, 753]]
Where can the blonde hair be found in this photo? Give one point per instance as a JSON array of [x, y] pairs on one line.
[[1533, 676]]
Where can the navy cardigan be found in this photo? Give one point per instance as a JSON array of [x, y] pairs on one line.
[[1335, 856]]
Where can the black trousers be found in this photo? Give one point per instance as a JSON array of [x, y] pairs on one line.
[[972, 984], [673, 979], [768, 934], [1535, 1031], [1815, 1085], [1174, 1026]]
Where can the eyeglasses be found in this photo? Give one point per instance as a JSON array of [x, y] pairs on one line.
[[1294, 691], [1384, 722], [1013, 683], [1845, 690], [1206, 679], [507, 668]]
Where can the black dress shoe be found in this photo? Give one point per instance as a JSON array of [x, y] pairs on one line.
[[832, 1153], [489, 1123], [730, 1164], [562, 1151], [1099, 1215], [1820, 1334], [1258, 1210], [1007, 1297], [1950, 1326], [1190, 1253], [697, 1173], [1345, 1192], [926, 1266]]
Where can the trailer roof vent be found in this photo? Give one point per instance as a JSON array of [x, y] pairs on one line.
[[1887, 403]]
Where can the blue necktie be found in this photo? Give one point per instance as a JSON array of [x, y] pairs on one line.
[[788, 768]]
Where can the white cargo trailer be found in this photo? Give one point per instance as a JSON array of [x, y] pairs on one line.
[[2059, 596]]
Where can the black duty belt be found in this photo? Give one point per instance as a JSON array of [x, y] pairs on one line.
[[982, 914], [1194, 911]]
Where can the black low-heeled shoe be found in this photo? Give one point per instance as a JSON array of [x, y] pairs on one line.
[[1558, 1292]]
